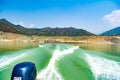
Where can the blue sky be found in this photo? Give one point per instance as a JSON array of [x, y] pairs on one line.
[[95, 16]]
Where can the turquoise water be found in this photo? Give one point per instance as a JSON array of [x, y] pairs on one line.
[[110, 49], [63, 62], [14, 46]]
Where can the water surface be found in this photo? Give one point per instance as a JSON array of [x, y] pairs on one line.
[[110, 49], [64, 62]]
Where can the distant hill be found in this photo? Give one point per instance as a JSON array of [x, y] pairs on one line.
[[64, 32], [112, 32], [6, 26]]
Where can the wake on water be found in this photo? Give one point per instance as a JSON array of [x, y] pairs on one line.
[[101, 67], [7, 60], [50, 72]]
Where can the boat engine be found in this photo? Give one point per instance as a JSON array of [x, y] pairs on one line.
[[24, 71]]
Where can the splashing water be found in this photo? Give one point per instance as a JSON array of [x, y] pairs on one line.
[[64, 62], [50, 72], [6, 60], [102, 68]]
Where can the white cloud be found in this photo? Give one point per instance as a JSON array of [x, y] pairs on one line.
[[113, 18], [25, 25], [31, 25], [21, 23]]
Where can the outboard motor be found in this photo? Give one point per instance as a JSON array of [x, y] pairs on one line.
[[24, 71]]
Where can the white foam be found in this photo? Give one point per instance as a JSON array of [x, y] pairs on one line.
[[103, 68], [51, 72], [6, 60], [40, 45]]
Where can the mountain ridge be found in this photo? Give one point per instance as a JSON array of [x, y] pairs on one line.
[[112, 32], [7, 26]]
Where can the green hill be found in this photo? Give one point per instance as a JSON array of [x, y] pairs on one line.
[[6, 26]]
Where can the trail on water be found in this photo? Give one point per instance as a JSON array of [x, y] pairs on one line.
[[63, 62], [103, 68], [7, 60], [51, 72]]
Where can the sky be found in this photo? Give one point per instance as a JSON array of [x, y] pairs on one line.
[[95, 16]]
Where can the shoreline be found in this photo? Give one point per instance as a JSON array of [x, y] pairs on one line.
[[56, 41], [18, 38]]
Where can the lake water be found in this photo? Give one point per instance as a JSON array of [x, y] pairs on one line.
[[14, 46], [64, 62], [111, 49]]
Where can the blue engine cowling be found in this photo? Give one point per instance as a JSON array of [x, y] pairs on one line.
[[24, 71]]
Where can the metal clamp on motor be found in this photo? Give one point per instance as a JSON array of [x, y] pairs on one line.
[[24, 71]]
